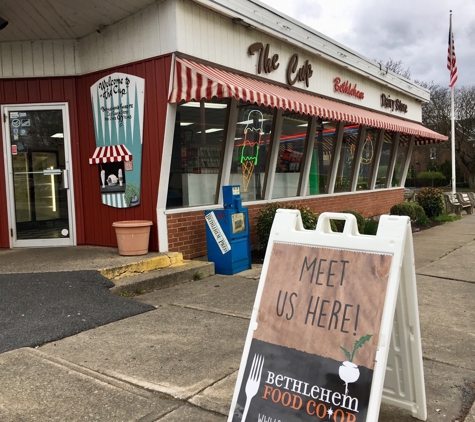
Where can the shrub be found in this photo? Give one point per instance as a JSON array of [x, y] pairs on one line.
[[433, 177], [432, 201], [371, 227], [265, 219], [266, 215], [333, 225], [404, 209], [309, 218], [340, 224], [422, 220], [412, 210], [419, 211]]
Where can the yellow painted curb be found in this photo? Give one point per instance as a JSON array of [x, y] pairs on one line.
[[143, 266]]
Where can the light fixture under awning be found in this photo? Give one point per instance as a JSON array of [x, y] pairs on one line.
[[110, 154], [196, 81]]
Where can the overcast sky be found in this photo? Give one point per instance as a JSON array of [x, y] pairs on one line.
[[413, 31]]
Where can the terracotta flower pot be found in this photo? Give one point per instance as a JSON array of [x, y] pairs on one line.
[[132, 236]]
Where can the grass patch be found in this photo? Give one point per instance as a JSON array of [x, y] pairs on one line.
[[444, 218], [427, 223]]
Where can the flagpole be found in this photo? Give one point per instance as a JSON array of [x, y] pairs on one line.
[[452, 132], [452, 114]]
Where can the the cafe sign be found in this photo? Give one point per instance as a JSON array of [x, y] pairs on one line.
[[267, 63]]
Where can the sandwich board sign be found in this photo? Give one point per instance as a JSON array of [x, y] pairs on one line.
[[335, 325]]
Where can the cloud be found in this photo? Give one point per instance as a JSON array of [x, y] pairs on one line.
[[413, 31]]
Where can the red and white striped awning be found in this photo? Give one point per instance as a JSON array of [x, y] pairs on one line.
[[196, 81], [110, 154]]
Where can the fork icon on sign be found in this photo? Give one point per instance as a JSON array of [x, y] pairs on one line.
[[252, 384]]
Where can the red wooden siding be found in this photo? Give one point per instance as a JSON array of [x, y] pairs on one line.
[[93, 219], [98, 218], [187, 230]]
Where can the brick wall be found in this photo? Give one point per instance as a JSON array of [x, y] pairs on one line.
[[187, 231]]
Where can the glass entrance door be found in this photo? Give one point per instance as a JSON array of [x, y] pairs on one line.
[[37, 143]]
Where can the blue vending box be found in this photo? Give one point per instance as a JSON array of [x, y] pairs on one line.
[[227, 234]]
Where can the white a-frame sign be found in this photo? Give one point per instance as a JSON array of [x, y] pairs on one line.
[[335, 325]]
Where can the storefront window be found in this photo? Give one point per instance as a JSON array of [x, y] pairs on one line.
[[367, 159], [348, 150], [197, 143], [321, 158], [384, 161], [251, 147], [400, 160], [289, 159]]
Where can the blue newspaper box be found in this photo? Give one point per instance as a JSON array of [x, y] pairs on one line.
[[227, 234]]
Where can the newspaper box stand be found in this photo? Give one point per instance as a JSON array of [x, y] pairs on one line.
[[227, 234]]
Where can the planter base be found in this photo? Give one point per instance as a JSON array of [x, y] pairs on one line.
[[132, 236]]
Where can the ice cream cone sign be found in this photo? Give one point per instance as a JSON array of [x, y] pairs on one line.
[[250, 147]]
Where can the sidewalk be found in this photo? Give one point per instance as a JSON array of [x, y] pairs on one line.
[[179, 362]]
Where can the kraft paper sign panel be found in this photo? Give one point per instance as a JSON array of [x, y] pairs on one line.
[[312, 354], [331, 294]]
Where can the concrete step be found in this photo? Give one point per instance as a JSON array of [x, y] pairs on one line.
[[162, 278], [142, 264]]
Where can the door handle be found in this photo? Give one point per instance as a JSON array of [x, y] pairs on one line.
[[65, 179], [54, 172]]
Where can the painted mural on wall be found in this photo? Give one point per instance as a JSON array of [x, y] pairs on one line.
[[117, 107]]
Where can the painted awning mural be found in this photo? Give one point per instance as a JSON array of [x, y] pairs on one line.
[[110, 154], [117, 107]]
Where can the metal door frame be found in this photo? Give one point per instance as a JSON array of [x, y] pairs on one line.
[[14, 242]]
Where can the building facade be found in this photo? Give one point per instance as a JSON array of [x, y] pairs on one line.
[[149, 116]]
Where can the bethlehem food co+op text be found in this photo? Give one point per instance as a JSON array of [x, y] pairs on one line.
[[303, 388]]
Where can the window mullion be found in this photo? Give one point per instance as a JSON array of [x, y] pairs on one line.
[[392, 159], [307, 157], [376, 159], [355, 169], [405, 169], [227, 155], [335, 158], [272, 161]]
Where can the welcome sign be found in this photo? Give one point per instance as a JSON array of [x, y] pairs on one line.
[[117, 107], [315, 333]]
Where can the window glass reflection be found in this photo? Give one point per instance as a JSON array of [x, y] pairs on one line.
[[289, 159], [384, 160], [321, 158], [347, 153], [400, 160], [367, 159], [195, 162]]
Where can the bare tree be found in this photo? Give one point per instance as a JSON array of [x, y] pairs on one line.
[[436, 116], [396, 67], [465, 130]]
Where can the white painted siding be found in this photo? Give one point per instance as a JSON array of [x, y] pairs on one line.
[[193, 28], [209, 36], [147, 34], [39, 58]]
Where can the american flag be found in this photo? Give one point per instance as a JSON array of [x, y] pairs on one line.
[[451, 60]]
